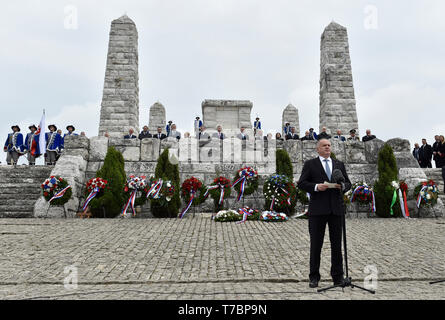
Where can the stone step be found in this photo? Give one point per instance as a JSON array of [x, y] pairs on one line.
[[16, 214], [23, 191], [19, 202]]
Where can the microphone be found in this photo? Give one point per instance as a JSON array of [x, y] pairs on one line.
[[337, 176]]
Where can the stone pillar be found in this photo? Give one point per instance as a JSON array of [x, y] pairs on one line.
[[120, 101], [290, 114], [337, 100], [157, 118]]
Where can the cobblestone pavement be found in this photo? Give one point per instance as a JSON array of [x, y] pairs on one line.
[[196, 258]]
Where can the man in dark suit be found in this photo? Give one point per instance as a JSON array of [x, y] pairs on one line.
[[159, 135], [292, 135], [144, 133], [130, 134], [326, 206], [425, 154]]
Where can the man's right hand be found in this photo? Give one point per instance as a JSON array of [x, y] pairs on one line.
[[322, 187]]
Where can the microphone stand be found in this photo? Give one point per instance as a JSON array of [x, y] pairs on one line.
[[347, 282]]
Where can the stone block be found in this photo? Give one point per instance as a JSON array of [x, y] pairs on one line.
[[355, 152], [98, 148], [146, 149], [372, 149], [76, 142], [131, 153]]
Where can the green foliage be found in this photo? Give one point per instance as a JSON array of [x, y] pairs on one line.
[[333, 156], [284, 164], [383, 188], [251, 182], [167, 171], [215, 194], [111, 202], [59, 185]]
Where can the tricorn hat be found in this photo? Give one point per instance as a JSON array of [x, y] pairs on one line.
[[15, 126], [197, 118], [32, 126], [52, 125], [257, 118], [170, 121], [71, 126]]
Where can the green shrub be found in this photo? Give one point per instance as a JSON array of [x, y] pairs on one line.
[[383, 189], [284, 164], [111, 203], [167, 171]]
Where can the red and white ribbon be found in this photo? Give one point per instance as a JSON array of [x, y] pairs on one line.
[[130, 203], [59, 194], [245, 214], [91, 196], [192, 196]]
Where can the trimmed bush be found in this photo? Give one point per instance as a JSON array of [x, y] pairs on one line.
[[383, 189], [167, 171], [283, 163], [111, 203]]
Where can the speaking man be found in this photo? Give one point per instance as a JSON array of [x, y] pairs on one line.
[[326, 206]]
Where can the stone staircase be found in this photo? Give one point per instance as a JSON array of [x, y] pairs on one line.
[[436, 175], [20, 188]]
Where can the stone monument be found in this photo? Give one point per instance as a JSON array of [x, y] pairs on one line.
[[290, 114], [230, 114], [157, 118], [120, 102], [337, 100]]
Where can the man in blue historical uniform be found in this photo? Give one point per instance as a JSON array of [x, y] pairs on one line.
[[53, 145], [168, 128], [32, 145], [70, 132], [14, 146], [197, 125], [256, 125], [286, 128]]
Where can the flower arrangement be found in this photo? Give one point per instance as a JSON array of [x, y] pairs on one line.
[[94, 188], [160, 190], [280, 193], [132, 186], [403, 191], [241, 215], [192, 192], [272, 216], [218, 190], [363, 194], [56, 190], [426, 194], [245, 181]]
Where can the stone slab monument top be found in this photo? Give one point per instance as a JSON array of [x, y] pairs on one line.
[[230, 114]]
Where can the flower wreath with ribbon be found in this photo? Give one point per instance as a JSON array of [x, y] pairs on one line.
[[192, 192], [133, 185], [160, 190], [245, 182], [280, 193], [248, 214], [219, 189], [56, 190], [364, 194], [94, 189], [272, 216], [426, 194]]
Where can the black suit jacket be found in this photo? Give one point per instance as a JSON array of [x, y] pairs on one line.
[[323, 202], [163, 136]]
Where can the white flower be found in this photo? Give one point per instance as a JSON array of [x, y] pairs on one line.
[[169, 184], [395, 185], [428, 196], [168, 198]]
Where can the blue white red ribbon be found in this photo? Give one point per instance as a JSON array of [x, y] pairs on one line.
[[216, 186], [243, 186], [192, 196], [245, 214], [419, 197], [59, 194], [90, 197], [155, 189], [130, 203]]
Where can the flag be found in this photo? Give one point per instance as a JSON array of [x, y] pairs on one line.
[[41, 131]]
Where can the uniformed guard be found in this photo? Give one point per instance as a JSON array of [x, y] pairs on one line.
[[14, 146], [168, 128], [53, 145], [352, 136], [256, 125], [32, 145], [198, 125], [70, 132]]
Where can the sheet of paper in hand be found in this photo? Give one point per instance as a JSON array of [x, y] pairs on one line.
[[330, 185]]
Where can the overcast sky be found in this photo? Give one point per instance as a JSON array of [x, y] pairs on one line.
[[267, 52]]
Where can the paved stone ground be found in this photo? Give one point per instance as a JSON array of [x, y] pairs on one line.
[[197, 258]]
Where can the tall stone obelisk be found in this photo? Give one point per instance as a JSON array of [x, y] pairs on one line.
[[337, 99], [120, 102]]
